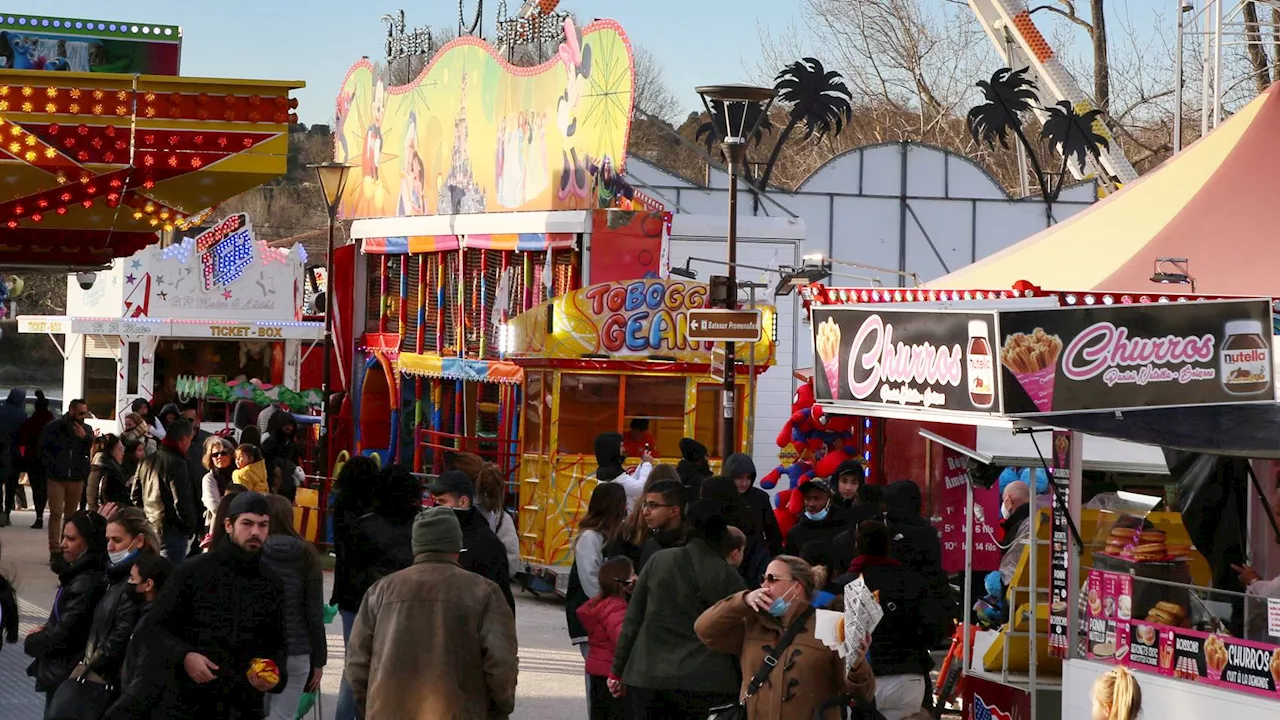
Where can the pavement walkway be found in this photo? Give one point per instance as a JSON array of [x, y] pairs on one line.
[[550, 686]]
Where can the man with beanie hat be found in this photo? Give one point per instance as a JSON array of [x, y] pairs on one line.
[[482, 552], [434, 641], [693, 467], [218, 614]]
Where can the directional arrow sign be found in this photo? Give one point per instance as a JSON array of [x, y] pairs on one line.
[[724, 325]]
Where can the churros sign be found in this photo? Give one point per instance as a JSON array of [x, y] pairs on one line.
[[914, 359]]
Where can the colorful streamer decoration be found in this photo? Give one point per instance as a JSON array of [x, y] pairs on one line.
[[219, 389]]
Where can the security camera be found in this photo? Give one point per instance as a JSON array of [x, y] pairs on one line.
[[86, 279]]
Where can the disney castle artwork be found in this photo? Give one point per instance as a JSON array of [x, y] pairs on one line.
[[460, 193]]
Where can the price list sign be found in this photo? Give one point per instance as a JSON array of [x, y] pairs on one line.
[[951, 529], [1060, 545]]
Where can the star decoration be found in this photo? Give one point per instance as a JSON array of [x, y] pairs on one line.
[[226, 294], [159, 279], [130, 278], [162, 295], [146, 361], [137, 264]]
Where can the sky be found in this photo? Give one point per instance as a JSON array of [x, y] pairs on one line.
[[695, 41]]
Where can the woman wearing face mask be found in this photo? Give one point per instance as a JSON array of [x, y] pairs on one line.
[[107, 481], [805, 679], [140, 684], [58, 645], [128, 533]]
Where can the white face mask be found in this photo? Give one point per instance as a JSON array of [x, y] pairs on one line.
[[1004, 511]]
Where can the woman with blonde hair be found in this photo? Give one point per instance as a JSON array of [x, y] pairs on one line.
[[1116, 696], [219, 460]]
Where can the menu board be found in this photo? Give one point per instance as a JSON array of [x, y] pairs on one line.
[[953, 500], [1060, 548], [1176, 652]]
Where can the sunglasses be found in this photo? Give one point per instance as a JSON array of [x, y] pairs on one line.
[[219, 453], [772, 579]]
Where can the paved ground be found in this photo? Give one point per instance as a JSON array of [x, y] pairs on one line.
[[550, 669]]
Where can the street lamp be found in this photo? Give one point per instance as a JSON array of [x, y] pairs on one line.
[[736, 113], [333, 181]]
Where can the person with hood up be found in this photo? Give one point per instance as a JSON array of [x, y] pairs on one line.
[[140, 684], [756, 556], [434, 641], [32, 464], [168, 414], [13, 413], [220, 612], [845, 482], [280, 443], [660, 664], [740, 468], [107, 481], [821, 520], [295, 561], [693, 466], [901, 641], [483, 553], [251, 469], [142, 407], [610, 456], [58, 645], [64, 452]]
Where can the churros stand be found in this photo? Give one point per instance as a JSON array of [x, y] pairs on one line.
[[1117, 584]]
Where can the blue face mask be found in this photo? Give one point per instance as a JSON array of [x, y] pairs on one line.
[[818, 516], [780, 606]]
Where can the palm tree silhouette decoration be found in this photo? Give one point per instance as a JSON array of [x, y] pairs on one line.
[[818, 98], [1008, 95]]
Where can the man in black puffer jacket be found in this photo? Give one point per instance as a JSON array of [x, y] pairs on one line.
[[901, 641], [821, 521], [482, 552], [220, 611]]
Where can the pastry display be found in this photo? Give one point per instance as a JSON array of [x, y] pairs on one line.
[[1120, 538], [1168, 613], [1136, 545]]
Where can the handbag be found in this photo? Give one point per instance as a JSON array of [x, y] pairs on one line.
[[738, 710], [80, 698]]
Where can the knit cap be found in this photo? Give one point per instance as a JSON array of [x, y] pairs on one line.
[[436, 530]]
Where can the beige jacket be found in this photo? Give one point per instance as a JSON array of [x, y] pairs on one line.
[[433, 642], [808, 674]]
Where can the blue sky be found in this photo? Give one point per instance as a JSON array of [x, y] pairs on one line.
[[695, 41]]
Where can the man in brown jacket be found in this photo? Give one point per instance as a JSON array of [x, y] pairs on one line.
[[434, 641]]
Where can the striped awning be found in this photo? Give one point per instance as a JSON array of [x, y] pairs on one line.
[[522, 242], [451, 368]]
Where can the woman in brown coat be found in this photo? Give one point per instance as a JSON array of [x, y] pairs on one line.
[[809, 676]]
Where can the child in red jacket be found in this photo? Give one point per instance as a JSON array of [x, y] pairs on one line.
[[602, 616]]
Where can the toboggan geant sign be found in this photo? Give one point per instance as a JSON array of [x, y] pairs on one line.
[[1035, 362]]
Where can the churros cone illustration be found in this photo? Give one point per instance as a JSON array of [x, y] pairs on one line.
[[1033, 360], [828, 347]]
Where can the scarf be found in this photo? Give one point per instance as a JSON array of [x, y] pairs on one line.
[[862, 562]]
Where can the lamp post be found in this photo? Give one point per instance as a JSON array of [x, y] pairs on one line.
[[736, 113], [333, 181]]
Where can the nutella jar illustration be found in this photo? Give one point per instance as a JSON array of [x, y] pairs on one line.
[[982, 376], [1246, 358]]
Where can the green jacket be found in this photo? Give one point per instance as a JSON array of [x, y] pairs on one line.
[[658, 648]]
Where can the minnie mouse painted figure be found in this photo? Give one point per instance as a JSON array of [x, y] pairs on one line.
[[371, 158], [576, 59]]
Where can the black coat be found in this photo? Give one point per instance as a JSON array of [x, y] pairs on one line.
[[113, 486], [167, 494], [64, 456], [821, 531], [483, 553], [761, 507], [693, 474], [60, 646], [113, 621], [195, 455], [375, 547], [143, 674], [226, 606], [901, 641], [660, 540]]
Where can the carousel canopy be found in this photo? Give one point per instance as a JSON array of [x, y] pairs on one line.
[[1207, 204], [94, 164]]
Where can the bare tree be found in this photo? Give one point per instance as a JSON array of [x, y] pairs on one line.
[[652, 93]]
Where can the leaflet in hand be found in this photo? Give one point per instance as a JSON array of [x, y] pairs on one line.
[[862, 614]]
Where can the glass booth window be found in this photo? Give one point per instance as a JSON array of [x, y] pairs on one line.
[[709, 418], [100, 387], [588, 407], [230, 359], [537, 412], [654, 414]]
